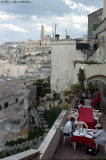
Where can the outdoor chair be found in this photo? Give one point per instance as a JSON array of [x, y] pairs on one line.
[[96, 111], [102, 141], [88, 106], [74, 110], [81, 106], [96, 116], [81, 123], [77, 102], [73, 114], [64, 137]]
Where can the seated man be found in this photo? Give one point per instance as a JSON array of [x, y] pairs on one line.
[[69, 127]]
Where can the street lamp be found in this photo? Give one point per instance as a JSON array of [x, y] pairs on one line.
[[82, 68]]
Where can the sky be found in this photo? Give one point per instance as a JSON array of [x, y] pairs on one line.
[[21, 21]]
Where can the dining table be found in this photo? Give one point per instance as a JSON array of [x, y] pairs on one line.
[[86, 115], [83, 138]]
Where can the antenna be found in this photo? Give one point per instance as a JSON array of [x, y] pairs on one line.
[[66, 33], [55, 29], [67, 36], [53, 32]]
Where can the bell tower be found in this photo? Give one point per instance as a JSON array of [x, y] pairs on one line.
[[42, 32]]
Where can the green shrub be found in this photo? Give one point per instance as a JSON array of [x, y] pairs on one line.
[[90, 62], [81, 79], [75, 87], [51, 115], [64, 106], [71, 95], [43, 86], [91, 88], [66, 92]]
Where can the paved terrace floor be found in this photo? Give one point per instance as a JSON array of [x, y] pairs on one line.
[[66, 152]]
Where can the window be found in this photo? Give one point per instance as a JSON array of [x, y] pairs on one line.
[[5, 105], [95, 26], [0, 107]]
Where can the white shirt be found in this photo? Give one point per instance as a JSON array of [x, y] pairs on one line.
[[68, 127], [99, 133], [99, 136]]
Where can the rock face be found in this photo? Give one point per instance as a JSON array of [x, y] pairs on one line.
[[36, 116], [49, 97]]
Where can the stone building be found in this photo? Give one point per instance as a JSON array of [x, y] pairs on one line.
[[63, 56], [104, 10], [64, 53], [14, 103], [93, 20], [101, 32], [100, 54]]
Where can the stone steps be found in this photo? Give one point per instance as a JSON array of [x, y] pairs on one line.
[[43, 121]]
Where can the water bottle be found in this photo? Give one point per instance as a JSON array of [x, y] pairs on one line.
[[79, 131], [82, 130]]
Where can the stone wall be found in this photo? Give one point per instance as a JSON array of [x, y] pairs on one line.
[[104, 10], [32, 97], [93, 18], [101, 37], [92, 72], [63, 53]]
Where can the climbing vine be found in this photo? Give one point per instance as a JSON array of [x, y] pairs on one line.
[[81, 79]]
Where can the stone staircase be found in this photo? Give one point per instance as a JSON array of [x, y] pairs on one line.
[[41, 110]]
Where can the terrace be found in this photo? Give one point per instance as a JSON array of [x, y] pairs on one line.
[[52, 147]]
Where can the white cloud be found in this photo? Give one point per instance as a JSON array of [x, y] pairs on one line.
[[48, 28], [80, 27], [89, 9], [4, 39], [74, 5], [6, 17], [11, 27], [33, 18], [71, 4], [70, 19], [80, 19]]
